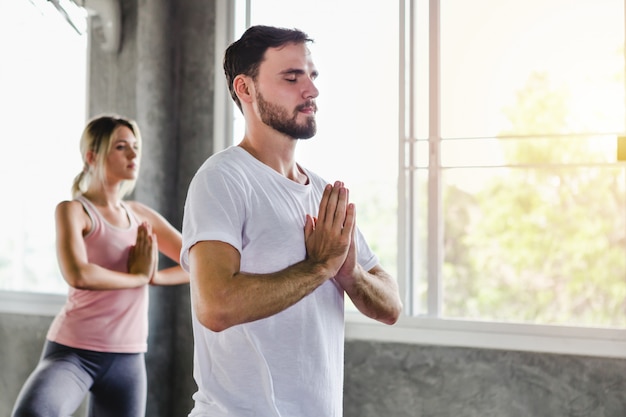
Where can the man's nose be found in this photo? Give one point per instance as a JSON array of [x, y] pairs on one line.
[[310, 91]]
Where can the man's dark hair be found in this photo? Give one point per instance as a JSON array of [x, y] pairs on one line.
[[245, 55]]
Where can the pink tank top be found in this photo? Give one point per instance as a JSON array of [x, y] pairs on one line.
[[110, 320]]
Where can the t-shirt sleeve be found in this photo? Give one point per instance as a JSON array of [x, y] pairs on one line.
[[366, 257], [214, 210]]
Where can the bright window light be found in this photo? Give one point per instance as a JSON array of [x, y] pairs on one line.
[[43, 85]]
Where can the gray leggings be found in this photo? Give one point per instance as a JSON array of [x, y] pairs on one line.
[[57, 387]]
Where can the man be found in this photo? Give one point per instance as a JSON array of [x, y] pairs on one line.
[[271, 249]]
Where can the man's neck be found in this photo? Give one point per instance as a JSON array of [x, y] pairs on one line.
[[277, 152]]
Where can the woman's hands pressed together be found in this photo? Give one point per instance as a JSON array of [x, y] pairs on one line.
[[143, 257]]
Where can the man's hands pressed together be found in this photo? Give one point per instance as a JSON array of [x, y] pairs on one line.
[[328, 237], [331, 242]]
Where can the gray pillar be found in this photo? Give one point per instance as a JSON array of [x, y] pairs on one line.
[[163, 78]]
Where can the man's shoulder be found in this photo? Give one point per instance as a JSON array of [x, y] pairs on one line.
[[224, 160], [224, 167]]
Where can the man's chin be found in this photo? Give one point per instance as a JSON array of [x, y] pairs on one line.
[[301, 134]]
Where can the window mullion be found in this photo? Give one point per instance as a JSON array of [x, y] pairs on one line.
[[405, 196], [435, 222]]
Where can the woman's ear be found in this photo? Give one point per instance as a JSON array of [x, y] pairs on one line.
[[243, 88], [90, 157]]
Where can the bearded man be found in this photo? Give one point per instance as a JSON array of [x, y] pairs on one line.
[[272, 248]]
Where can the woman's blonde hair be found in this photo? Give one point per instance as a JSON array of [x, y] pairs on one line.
[[96, 138]]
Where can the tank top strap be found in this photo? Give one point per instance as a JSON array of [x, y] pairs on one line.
[[132, 217], [99, 221], [92, 212]]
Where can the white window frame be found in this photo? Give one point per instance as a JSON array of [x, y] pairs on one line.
[[31, 303], [458, 333]]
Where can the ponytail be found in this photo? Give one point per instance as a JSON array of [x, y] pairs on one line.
[[78, 181]]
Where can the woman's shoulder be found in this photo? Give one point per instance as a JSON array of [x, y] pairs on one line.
[[138, 208], [142, 211], [72, 212], [70, 206]]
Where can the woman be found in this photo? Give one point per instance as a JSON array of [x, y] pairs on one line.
[[107, 251]]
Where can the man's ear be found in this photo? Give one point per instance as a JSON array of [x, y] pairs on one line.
[[244, 88]]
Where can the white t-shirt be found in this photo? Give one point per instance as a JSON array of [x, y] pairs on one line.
[[287, 365]]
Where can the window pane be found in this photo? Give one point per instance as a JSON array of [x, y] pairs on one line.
[[533, 203], [421, 69], [542, 245], [42, 79], [419, 257], [561, 59]]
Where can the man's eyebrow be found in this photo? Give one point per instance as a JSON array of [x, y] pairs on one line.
[[297, 71]]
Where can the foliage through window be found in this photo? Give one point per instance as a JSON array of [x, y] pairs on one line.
[[521, 172]]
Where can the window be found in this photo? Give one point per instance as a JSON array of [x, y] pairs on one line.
[[501, 207], [43, 84], [518, 202]]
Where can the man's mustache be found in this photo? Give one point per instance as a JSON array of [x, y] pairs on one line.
[[309, 103]]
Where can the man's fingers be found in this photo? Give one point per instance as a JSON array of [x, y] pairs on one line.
[[350, 222], [341, 207], [324, 203], [333, 205]]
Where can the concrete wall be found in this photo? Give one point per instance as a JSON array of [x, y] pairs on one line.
[[401, 380], [163, 77], [21, 342]]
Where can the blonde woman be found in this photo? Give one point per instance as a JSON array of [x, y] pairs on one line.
[[107, 252]]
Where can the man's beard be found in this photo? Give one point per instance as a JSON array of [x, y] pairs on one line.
[[277, 118]]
